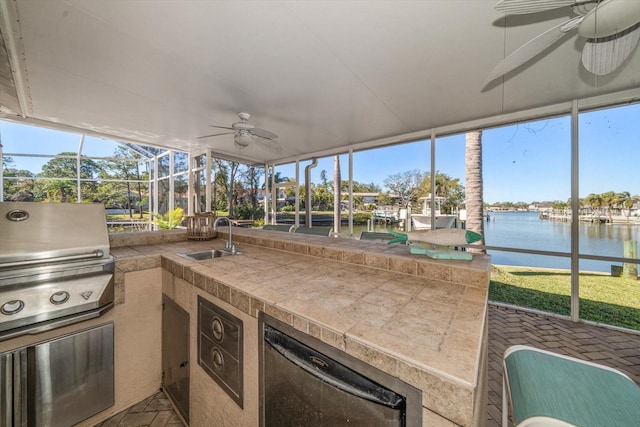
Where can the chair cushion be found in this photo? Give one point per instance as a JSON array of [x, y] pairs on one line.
[[543, 384]]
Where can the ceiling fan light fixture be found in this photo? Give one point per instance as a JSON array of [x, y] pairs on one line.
[[243, 138], [245, 134]]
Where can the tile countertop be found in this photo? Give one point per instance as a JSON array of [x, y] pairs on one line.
[[421, 320]]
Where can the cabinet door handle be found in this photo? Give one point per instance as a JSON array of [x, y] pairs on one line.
[[185, 363]]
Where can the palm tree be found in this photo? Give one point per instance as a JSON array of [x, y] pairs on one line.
[[336, 195], [625, 200], [473, 185], [609, 199], [595, 203]]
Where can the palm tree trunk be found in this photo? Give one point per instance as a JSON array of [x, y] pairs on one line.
[[473, 192], [337, 185]]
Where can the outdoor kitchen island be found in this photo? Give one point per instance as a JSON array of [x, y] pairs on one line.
[[420, 320]]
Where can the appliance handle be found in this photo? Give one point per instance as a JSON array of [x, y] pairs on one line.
[[6, 393], [330, 371], [98, 253], [20, 387], [13, 372]]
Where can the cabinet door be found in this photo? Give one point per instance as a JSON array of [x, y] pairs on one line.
[[70, 378], [175, 354]]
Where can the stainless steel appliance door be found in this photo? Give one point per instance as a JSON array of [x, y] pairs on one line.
[[175, 354], [70, 378], [306, 388]]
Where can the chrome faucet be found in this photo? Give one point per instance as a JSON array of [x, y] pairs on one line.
[[229, 244]]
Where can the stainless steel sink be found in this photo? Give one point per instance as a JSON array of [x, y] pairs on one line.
[[210, 254]]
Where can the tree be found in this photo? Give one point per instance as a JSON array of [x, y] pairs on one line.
[[560, 205], [595, 202], [231, 170], [609, 200], [65, 190], [449, 188], [277, 178], [249, 181], [474, 187], [7, 162], [250, 177], [359, 187], [321, 197], [121, 193], [323, 178], [384, 199], [20, 188], [406, 185], [624, 200]]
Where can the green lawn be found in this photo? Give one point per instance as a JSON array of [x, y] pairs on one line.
[[611, 300]]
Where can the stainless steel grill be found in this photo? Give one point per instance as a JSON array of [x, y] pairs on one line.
[[55, 266]]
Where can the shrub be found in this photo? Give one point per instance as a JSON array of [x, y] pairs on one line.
[[170, 220]]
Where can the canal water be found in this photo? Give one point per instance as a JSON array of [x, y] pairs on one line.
[[525, 230]]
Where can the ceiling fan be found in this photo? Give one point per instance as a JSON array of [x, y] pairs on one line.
[[244, 134], [611, 27]]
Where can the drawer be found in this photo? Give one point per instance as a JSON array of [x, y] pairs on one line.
[[221, 367], [224, 330], [220, 348]]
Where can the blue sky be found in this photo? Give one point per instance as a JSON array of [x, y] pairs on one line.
[[527, 162]]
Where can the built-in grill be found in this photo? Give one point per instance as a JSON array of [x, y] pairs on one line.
[[55, 266]]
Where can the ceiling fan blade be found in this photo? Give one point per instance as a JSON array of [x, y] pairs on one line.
[[269, 144], [517, 7], [221, 127], [610, 17], [602, 57], [262, 133], [531, 49], [215, 134]]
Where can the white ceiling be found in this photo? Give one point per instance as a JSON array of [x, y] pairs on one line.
[[324, 75]]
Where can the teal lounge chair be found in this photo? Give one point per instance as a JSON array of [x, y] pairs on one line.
[[549, 389], [318, 231]]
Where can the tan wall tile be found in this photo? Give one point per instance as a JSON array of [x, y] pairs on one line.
[[353, 257], [376, 261], [469, 277], [401, 265], [241, 301], [434, 271], [333, 254], [373, 357], [452, 401]]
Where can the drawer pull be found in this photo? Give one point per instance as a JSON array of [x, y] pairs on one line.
[[217, 328], [218, 360]]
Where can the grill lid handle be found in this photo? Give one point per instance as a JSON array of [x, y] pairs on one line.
[[98, 253]]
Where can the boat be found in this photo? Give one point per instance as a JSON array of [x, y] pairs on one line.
[[422, 221], [385, 215]]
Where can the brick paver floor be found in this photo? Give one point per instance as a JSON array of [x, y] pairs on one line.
[[507, 326], [154, 411]]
